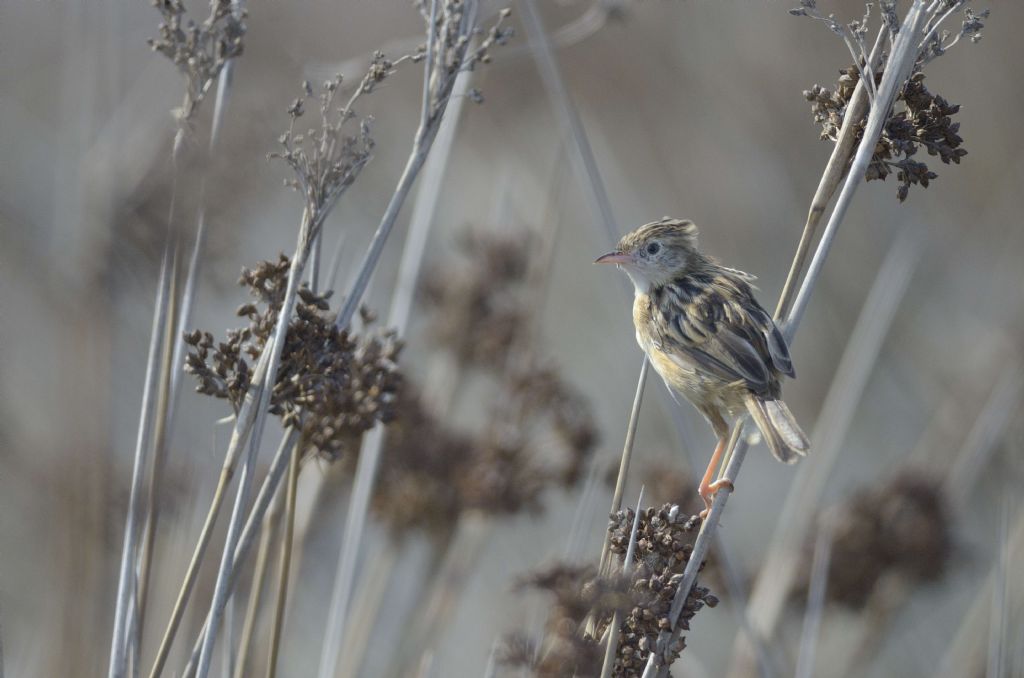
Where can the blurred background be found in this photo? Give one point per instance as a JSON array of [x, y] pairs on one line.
[[692, 109]]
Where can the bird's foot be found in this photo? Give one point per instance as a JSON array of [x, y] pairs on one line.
[[707, 493]]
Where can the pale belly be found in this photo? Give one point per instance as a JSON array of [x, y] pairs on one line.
[[685, 378]]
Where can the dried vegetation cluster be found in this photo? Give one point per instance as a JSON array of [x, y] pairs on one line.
[[923, 120], [642, 594], [538, 431], [906, 527], [332, 385]]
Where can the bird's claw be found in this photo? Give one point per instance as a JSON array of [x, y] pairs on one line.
[[708, 494]]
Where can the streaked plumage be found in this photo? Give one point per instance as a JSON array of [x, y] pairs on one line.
[[706, 334]]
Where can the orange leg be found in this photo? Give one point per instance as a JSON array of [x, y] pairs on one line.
[[707, 489]]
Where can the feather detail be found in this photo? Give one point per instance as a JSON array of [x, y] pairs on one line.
[[779, 428]]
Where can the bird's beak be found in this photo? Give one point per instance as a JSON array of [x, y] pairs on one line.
[[614, 258]]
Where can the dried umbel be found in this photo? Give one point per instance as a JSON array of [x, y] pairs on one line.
[[922, 120], [331, 385], [328, 157], [477, 309], [199, 50], [643, 598], [901, 528]]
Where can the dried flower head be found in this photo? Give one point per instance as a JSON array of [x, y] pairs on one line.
[[451, 28], [920, 120], [902, 527], [331, 385], [643, 597], [199, 50], [326, 160]]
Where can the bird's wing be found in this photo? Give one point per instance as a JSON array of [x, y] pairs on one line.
[[716, 324]]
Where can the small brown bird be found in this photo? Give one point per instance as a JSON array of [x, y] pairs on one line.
[[708, 338]]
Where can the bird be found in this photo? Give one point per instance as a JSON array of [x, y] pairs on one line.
[[708, 338]]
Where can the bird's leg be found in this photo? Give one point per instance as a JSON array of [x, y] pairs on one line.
[[707, 489]]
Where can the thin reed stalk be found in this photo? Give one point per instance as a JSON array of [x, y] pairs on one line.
[[221, 593], [267, 534], [815, 604], [627, 456], [174, 368], [284, 568], [239, 436], [275, 473], [431, 128], [126, 583], [774, 581], [906, 48]]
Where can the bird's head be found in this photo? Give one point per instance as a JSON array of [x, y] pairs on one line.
[[655, 253]]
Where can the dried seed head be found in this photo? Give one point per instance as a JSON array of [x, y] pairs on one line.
[[199, 51], [920, 120], [905, 527], [331, 385]]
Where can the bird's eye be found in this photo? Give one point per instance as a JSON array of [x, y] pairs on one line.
[[653, 248]]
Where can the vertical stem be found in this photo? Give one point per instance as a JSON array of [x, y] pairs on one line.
[[285, 566], [221, 592], [627, 456], [126, 578], [267, 533], [815, 604]]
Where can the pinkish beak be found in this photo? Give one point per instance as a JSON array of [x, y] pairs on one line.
[[614, 258]]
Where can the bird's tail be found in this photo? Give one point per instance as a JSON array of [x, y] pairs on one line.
[[780, 430]]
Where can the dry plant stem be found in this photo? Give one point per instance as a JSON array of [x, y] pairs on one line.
[[160, 432], [774, 580], [366, 607], [275, 474], [899, 67], [580, 152], [221, 593], [268, 531], [126, 577], [834, 173], [174, 370], [435, 103], [238, 438], [815, 604], [285, 563], [627, 455], [627, 567], [398, 317]]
